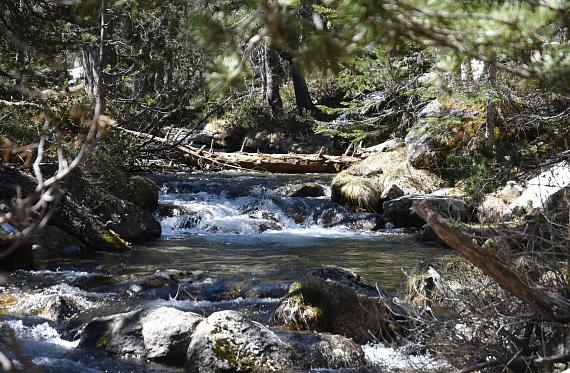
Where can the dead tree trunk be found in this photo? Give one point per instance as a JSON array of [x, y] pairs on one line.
[[279, 163], [550, 305]]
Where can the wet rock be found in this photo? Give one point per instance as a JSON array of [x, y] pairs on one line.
[[332, 299], [141, 191], [324, 350], [58, 242], [400, 212], [308, 190], [267, 291], [164, 284], [126, 219], [60, 308], [228, 341], [380, 177], [360, 221], [159, 333], [440, 129], [427, 235]]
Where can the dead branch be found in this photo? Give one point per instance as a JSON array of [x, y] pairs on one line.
[[549, 304]]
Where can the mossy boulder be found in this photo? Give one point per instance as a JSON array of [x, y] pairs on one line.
[[227, 341], [141, 191], [441, 127], [335, 300], [380, 177]]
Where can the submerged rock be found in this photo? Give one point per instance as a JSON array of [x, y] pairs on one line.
[[332, 299], [159, 333], [227, 341]]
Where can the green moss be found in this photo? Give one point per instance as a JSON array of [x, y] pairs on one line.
[[227, 351], [102, 341], [114, 240]]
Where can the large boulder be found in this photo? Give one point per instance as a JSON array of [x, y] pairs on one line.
[[381, 177], [131, 222], [227, 341], [441, 127], [141, 191], [401, 214], [157, 333], [332, 299], [542, 190]]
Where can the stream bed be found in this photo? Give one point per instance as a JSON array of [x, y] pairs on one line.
[[236, 241]]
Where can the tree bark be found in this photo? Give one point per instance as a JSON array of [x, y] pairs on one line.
[[550, 305], [272, 80], [302, 95]]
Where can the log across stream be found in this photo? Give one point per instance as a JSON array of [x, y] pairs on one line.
[[277, 163]]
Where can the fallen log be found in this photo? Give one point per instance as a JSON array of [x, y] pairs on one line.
[[550, 305], [278, 163]]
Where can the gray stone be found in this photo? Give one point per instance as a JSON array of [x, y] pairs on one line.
[[157, 333], [227, 341], [324, 350]]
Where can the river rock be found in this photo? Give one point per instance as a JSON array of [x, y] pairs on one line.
[[380, 177], [141, 191], [440, 128], [324, 350], [227, 341], [335, 300], [158, 333], [400, 212], [164, 284], [60, 308], [308, 190]]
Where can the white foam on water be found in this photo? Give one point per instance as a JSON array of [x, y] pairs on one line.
[[34, 302], [39, 332], [392, 358]]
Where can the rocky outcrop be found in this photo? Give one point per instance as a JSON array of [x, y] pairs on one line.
[[381, 177], [159, 333], [400, 213], [332, 299], [441, 127], [228, 341]]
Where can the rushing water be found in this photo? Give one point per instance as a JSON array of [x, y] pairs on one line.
[[241, 236]]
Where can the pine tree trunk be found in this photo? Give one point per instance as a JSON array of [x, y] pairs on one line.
[[272, 80], [302, 94]]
